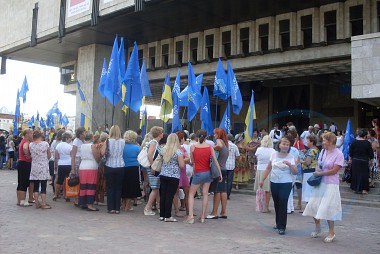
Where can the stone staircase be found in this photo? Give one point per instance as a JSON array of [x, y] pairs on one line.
[[372, 199]]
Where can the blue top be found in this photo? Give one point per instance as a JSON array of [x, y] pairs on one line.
[[131, 151]]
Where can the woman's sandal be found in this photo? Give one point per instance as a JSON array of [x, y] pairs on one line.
[[46, 206], [315, 233], [329, 239], [38, 206], [55, 198], [189, 221]]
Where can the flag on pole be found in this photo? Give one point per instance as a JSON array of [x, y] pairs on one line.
[[65, 120], [31, 121], [232, 84], [121, 56], [251, 115], [133, 95], [24, 90], [194, 94], [103, 79], [206, 113], [50, 121], [144, 81], [81, 94], [348, 138], [226, 121], [15, 127], [112, 90], [184, 97], [17, 110], [220, 82], [176, 123], [38, 116], [42, 123], [144, 123], [55, 110], [84, 121], [166, 100]]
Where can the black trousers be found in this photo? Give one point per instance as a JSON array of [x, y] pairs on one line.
[[114, 182], [280, 194], [168, 188]]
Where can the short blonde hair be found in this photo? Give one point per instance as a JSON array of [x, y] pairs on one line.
[[26, 131], [330, 137], [103, 137], [130, 137], [266, 142], [156, 131], [115, 132]]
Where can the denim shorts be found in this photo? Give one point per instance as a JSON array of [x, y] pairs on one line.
[[202, 177]]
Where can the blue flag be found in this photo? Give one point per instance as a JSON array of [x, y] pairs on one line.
[[81, 94], [50, 121], [103, 79], [251, 115], [24, 90], [65, 120], [17, 110], [206, 113], [348, 138], [15, 126], [198, 81], [121, 56], [42, 123], [54, 110], [220, 82], [226, 121], [133, 95], [194, 94], [232, 84], [112, 90], [144, 123], [145, 87], [38, 116], [31, 122], [176, 124], [184, 97]]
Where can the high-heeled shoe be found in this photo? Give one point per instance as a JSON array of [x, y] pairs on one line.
[[202, 220], [189, 221]]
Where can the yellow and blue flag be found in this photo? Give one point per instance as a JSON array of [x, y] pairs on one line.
[[176, 123], [232, 84], [206, 113], [144, 122], [81, 94], [166, 100], [220, 82], [249, 123]]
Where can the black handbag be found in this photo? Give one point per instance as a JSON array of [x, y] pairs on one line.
[[314, 180], [215, 173], [73, 180]]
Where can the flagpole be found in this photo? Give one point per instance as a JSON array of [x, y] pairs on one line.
[[113, 108], [105, 111], [129, 108], [216, 110]]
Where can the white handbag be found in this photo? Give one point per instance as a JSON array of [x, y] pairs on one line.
[[142, 158]]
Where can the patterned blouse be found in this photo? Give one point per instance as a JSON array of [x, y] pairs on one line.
[[171, 168]]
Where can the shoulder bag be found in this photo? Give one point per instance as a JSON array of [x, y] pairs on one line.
[[316, 180], [215, 173], [143, 157]]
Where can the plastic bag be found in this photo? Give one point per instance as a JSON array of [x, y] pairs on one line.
[[260, 200], [72, 191]]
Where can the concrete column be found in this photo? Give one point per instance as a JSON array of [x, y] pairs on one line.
[[374, 23], [96, 108]]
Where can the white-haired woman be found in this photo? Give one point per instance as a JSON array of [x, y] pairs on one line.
[[131, 182], [263, 154], [169, 176]]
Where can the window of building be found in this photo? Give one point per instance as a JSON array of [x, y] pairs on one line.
[[194, 50], [378, 16], [152, 57], [264, 37], [244, 41], [179, 51], [356, 20], [330, 26], [165, 55], [209, 47], [226, 43], [68, 75], [140, 56], [284, 33], [307, 30]]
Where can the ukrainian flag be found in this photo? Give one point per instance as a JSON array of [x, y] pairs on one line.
[[166, 100], [81, 94], [251, 115]]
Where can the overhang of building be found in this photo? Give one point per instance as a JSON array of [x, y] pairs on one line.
[[160, 19]]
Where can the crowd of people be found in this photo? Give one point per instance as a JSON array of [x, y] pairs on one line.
[[107, 163]]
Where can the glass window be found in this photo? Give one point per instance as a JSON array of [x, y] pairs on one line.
[[165, 55], [264, 37], [194, 50], [378, 16], [209, 46], [179, 51], [307, 30], [140, 57], [356, 20], [284, 33], [244, 41], [152, 57], [226, 42], [330, 25]]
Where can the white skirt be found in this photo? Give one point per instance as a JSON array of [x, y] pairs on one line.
[[325, 203], [307, 190]]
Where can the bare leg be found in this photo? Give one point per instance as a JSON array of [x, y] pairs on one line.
[[223, 197], [331, 228], [186, 191], [299, 195], [267, 199], [175, 203], [30, 191], [152, 197], [192, 191], [215, 204], [205, 188], [21, 195], [43, 198], [36, 199], [317, 225]]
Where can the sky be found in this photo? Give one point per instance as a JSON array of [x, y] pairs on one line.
[[44, 89]]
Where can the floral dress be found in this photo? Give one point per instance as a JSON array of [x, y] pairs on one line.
[[252, 160], [40, 162], [241, 171]]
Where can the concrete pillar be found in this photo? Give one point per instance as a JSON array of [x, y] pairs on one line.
[[96, 108]]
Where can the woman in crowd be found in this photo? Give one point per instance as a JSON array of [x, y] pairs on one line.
[[11, 151], [251, 150], [241, 173], [263, 154], [154, 181], [184, 182], [88, 173], [309, 164], [339, 140], [40, 154], [220, 187], [2, 151], [131, 182], [23, 169], [169, 177], [148, 137], [114, 169], [54, 143], [76, 153], [374, 170], [281, 165], [200, 154], [62, 163], [101, 182], [325, 202], [360, 154]]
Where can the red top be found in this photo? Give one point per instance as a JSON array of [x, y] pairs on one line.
[[202, 159], [298, 144], [21, 151]]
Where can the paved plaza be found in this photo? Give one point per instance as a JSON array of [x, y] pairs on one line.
[[67, 229]]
